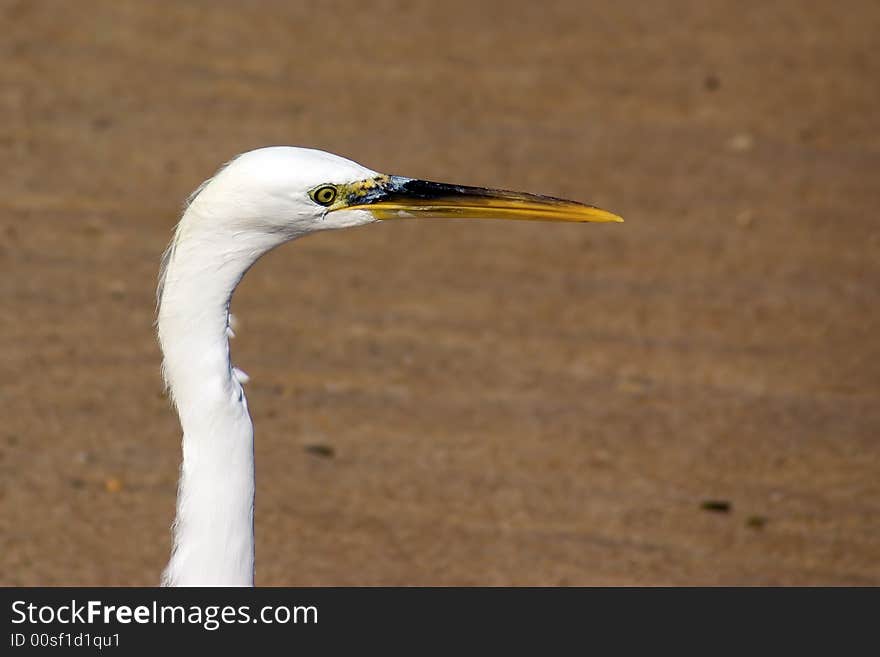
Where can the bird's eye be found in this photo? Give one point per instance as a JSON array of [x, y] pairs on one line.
[[324, 195]]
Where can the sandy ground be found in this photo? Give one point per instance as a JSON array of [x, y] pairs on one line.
[[455, 402]]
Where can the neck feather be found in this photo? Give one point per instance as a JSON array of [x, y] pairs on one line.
[[214, 526]]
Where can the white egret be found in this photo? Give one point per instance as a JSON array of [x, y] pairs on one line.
[[258, 201]]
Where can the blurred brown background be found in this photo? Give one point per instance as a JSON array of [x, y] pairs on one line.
[[455, 402]]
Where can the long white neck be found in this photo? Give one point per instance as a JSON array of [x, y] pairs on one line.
[[214, 527]]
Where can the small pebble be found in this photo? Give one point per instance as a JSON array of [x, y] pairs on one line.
[[113, 485], [633, 385], [600, 458], [93, 228], [756, 522], [745, 219], [323, 451], [102, 122], [741, 143], [716, 506], [117, 290], [712, 82]]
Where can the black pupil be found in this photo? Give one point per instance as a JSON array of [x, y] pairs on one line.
[[326, 195]]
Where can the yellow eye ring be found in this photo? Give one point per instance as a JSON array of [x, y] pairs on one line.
[[324, 195]]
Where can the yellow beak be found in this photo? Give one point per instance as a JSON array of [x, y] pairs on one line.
[[394, 197]]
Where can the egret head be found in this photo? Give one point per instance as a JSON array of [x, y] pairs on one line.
[[280, 192], [286, 192]]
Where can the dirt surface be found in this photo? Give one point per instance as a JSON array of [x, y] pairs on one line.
[[687, 398]]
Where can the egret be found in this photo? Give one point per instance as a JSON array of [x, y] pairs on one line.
[[260, 200]]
